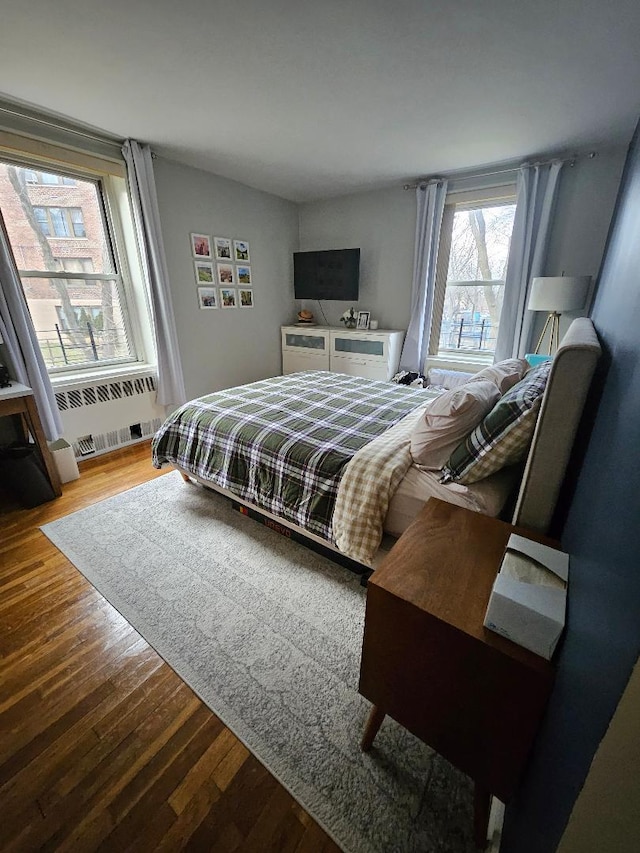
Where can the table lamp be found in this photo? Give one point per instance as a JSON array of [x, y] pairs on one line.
[[557, 294]]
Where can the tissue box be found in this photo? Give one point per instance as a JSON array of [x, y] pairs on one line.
[[529, 596]]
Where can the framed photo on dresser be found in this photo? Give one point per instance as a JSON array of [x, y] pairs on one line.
[[363, 320]]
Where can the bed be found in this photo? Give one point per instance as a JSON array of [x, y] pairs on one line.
[[328, 456]]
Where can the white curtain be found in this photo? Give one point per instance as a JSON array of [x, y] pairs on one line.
[[142, 189], [20, 340], [430, 200], [537, 188]]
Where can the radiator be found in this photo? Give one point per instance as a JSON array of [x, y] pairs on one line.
[[103, 416]]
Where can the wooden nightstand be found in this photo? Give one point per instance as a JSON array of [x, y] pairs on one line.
[[428, 661]]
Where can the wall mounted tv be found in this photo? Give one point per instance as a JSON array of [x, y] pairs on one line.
[[332, 274]]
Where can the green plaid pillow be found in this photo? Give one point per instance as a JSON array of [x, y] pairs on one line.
[[503, 437]]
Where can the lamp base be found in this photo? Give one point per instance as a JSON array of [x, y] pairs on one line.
[[553, 324]]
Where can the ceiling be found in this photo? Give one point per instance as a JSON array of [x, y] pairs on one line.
[[315, 99]]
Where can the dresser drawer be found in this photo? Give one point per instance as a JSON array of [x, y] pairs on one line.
[[294, 362], [371, 347], [365, 367], [305, 340]]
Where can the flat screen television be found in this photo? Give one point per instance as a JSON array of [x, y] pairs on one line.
[[332, 274]]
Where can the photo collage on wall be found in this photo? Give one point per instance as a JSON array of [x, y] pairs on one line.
[[223, 272]]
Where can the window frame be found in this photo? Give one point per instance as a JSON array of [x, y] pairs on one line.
[[110, 212], [459, 200]]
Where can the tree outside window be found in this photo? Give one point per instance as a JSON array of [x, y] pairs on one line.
[[472, 263]]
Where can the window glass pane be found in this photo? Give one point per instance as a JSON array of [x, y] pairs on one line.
[[58, 222], [78, 222], [78, 322], [467, 324], [27, 212], [42, 220], [48, 178], [480, 240]]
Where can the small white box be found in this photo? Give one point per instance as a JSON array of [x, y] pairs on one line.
[[65, 460], [530, 612]]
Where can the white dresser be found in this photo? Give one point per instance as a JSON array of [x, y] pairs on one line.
[[371, 354]]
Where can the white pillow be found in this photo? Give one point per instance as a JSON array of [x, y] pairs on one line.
[[505, 374], [449, 419]]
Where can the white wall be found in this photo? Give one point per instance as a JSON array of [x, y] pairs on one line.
[[583, 213], [223, 348], [382, 224]]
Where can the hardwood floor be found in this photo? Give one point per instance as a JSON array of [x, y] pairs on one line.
[[102, 745]]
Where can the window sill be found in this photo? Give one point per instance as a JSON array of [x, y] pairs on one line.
[[93, 376]]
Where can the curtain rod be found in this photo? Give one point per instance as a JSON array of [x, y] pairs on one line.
[[108, 140], [464, 177]]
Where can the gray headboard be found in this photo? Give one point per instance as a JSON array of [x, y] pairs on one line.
[[562, 404]]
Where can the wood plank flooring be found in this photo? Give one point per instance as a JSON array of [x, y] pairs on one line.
[[102, 746]]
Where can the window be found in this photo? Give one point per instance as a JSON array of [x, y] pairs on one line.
[[472, 262], [33, 177], [77, 264], [77, 300], [60, 221]]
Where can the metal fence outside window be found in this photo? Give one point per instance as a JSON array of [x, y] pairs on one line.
[[61, 347], [465, 334]]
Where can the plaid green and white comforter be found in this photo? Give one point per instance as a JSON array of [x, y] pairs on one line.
[[370, 481], [283, 443]]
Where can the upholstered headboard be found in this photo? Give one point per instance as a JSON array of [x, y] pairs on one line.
[[560, 412]]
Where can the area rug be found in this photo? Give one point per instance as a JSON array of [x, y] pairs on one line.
[[269, 634]]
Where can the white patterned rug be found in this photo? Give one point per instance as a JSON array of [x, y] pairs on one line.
[[269, 634]]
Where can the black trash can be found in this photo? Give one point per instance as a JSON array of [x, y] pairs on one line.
[[23, 476]]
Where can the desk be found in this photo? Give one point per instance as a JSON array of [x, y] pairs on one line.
[[428, 661], [18, 400]]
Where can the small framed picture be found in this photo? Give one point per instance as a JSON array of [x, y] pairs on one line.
[[241, 251], [207, 297], [244, 275], [223, 248], [246, 298], [204, 272], [225, 274], [363, 319], [228, 297], [201, 245]]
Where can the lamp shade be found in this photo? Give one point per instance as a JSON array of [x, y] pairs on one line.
[[557, 294]]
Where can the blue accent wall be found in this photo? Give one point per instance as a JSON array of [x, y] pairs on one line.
[[602, 535]]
